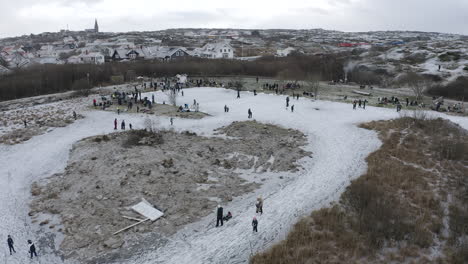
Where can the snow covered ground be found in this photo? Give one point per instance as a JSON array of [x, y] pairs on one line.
[[339, 148]]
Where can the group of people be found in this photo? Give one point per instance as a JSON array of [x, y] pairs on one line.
[[360, 103], [122, 125], [11, 247], [221, 218]]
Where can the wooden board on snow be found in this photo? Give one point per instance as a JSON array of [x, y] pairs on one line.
[[147, 210]]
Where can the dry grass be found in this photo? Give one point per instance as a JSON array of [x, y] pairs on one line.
[[395, 212]]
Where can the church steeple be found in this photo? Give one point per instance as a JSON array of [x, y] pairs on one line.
[[96, 27]]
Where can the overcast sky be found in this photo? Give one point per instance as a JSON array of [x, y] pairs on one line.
[[35, 16]]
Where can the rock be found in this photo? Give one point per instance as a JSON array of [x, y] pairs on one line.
[[113, 243]]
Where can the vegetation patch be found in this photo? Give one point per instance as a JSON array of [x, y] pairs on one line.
[[409, 207]]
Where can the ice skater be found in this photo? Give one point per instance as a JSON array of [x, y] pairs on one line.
[[115, 124], [250, 113], [10, 245], [32, 249], [238, 93], [354, 105], [292, 108], [172, 121], [122, 125], [287, 101], [219, 217]]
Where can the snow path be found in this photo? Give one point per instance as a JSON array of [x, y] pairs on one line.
[[339, 149]]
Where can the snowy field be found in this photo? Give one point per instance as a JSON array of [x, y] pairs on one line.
[[339, 150]]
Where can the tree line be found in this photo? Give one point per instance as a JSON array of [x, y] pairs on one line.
[[51, 78]]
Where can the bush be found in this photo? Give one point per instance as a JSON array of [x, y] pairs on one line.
[[454, 90]]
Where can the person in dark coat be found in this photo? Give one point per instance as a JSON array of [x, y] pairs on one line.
[[287, 101], [122, 125], [32, 249], [227, 217], [115, 124], [255, 224], [10, 244], [354, 105], [292, 108], [250, 113], [219, 217], [259, 205], [238, 93]]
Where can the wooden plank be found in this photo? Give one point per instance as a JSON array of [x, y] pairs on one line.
[[130, 226], [132, 218]]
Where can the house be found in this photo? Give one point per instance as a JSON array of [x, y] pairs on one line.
[[17, 60], [90, 58], [127, 54], [219, 50], [4, 70], [284, 52], [171, 53]]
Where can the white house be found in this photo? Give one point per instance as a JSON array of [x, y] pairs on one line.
[[219, 50], [284, 52], [91, 58]]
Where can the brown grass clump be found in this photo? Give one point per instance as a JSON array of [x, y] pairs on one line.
[[414, 191]]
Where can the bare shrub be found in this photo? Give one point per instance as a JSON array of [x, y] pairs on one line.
[[143, 137], [152, 125], [172, 97], [313, 84]]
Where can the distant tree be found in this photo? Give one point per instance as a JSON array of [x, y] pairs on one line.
[[417, 83], [172, 97], [237, 83], [313, 84]]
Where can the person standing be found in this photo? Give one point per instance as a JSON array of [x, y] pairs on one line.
[[354, 105], [219, 217], [287, 101], [238, 93], [364, 104], [292, 108], [115, 124], [172, 121], [255, 224], [250, 113], [10, 244], [225, 108], [74, 115], [32, 249], [122, 125], [259, 205], [130, 126]]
